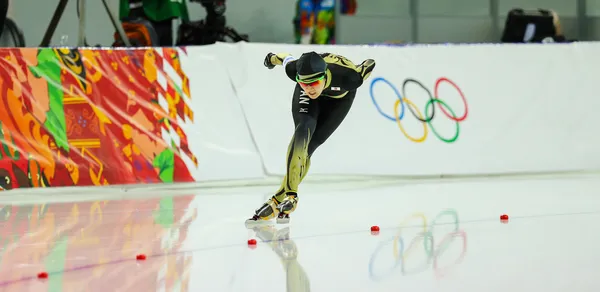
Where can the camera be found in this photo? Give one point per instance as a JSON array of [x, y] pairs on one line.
[[210, 30]]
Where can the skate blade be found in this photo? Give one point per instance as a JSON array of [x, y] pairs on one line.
[[254, 223], [283, 220]]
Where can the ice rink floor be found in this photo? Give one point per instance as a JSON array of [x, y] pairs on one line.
[[435, 236]]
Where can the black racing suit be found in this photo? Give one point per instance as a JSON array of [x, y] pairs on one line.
[[316, 119]]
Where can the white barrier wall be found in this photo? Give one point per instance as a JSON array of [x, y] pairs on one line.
[[219, 136], [501, 109]]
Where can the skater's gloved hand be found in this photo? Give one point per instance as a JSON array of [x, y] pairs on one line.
[[272, 60], [268, 61], [365, 68]]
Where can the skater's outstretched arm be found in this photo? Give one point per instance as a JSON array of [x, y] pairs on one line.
[[273, 60], [351, 76], [355, 77], [284, 59]]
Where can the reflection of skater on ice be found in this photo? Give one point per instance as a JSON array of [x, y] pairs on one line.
[[326, 85], [286, 249]]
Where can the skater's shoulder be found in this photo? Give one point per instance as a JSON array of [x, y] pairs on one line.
[[335, 58], [339, 63], [290, 70]]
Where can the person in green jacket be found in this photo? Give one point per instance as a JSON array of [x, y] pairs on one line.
[[159, 12]]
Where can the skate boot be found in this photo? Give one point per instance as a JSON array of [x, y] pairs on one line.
[[265, 213], [287, 206]]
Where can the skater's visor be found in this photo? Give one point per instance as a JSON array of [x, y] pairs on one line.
[[310, 82]]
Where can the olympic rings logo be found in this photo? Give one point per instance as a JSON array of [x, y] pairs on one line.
[[433, 98], [402, 250]]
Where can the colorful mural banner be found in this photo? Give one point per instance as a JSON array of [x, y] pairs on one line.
[[89, 117]]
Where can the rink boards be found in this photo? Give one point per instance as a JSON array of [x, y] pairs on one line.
[[162, 115]]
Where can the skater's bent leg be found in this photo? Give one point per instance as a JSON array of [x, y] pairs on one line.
[[333, 113], [283, 190], [297, 164], [297, 158], [305, 112], [280, 194]]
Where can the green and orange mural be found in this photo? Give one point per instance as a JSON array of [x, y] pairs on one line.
[[93, 117]]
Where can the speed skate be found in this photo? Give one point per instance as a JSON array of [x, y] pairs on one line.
[[272, 208], [258, 220], [254, 222]]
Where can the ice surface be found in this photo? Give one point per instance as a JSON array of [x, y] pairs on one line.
[[435, 236]]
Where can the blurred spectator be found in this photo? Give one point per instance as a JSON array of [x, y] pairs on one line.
[[314, 22], [534, 26], [558, 36]]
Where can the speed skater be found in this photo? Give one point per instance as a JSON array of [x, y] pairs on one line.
[[326, 85]]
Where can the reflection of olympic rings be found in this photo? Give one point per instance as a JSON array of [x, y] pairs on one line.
[[433, 98], [402, 250]]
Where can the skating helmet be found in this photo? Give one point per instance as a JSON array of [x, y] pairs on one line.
[[310, 68]]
